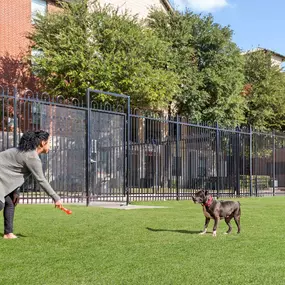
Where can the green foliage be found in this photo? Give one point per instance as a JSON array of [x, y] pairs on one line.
[[265, 92], [261, 182], [209, 65], [101, 49], [182, 60]]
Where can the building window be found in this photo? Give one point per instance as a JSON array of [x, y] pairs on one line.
[[135, 122], [176, 166], [152, 131], [35, 53], [38, 6], [172, 131], [39, 115]]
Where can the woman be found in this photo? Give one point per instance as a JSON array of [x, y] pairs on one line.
[[16, 164]]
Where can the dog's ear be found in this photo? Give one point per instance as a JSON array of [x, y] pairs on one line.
[[206, 192]]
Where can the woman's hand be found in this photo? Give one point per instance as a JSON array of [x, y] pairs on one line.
[[16, 198], [58, 203]]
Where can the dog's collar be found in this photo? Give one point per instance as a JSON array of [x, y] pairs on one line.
[[209, 202]]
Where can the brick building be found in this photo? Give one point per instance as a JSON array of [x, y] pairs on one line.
[[16, 17], [16, 21]]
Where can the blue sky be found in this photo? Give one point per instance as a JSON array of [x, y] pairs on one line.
[[254, 22]]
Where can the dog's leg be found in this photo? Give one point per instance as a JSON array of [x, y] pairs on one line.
[[217, 219], [237, 220], [205, 226], [228, 220]]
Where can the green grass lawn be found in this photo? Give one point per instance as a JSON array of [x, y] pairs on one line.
[[144, 246]]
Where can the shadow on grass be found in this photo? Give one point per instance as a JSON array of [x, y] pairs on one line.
[[21, 236], [177, 231]]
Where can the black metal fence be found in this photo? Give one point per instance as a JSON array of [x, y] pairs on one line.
[[172, 158], [102, 151]]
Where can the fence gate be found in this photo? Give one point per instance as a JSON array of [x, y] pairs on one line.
[[107, 147]]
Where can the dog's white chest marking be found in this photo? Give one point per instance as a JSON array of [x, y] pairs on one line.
[[206, 214]]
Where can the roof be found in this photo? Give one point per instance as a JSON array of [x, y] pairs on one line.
[[266, 50]]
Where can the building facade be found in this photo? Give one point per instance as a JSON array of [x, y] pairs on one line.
[[16, 22], [16, 19], [140, 8], [277, 59]]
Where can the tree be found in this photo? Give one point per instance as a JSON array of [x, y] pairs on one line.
[[91, 46], [209, 65], [176, 30], [264, 92]]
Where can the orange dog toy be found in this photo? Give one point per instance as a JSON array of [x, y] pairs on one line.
[[67, 211]]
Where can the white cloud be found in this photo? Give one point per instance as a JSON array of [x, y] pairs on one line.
[[200, 5]]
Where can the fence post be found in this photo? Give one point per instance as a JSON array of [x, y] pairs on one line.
[[128, 164], [88, 141], [15, 141], [237, 154], [250, 160], [152, 166], [177, 157], [273, 162], [218, 158]]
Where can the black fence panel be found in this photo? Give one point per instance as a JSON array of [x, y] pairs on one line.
[[100, 151], [108, 152], [172, 158]]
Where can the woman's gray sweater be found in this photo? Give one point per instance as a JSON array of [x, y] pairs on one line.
[[16, 166]]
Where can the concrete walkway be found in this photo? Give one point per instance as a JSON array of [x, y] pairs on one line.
[[102, 204], [122, 206]]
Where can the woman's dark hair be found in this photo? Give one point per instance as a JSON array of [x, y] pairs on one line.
[[32, 139]]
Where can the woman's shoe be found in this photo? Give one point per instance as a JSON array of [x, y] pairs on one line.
[[9, 236]]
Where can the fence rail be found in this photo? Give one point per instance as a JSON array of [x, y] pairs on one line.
[[101, 150]]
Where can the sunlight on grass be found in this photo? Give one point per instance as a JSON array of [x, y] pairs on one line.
[[145, 246]]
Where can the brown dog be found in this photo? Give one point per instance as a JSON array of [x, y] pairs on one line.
[[216, 210]]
